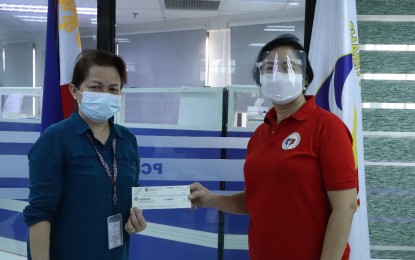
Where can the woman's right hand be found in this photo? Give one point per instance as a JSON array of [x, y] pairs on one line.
[[200, 196]]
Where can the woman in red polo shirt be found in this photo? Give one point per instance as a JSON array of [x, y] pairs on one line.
[[300, 177]]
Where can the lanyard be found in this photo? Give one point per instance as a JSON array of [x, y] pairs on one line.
[[113, 177]]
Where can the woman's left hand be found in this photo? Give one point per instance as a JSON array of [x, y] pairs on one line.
[[136, 222]]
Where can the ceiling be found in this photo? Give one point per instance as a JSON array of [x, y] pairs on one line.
[[141, 16]]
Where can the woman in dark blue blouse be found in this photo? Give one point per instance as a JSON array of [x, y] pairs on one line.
[[82, 170]]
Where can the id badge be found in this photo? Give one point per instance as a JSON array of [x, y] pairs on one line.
[[115, 235]]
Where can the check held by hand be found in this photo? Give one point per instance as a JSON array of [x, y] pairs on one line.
[[136, 222]]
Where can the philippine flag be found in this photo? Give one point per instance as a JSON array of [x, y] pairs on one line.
[[63, 45], [334, 55]]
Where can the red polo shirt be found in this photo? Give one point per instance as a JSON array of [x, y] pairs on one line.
[[288, 170]]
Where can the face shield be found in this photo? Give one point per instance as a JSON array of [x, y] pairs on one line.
[[282, 74]]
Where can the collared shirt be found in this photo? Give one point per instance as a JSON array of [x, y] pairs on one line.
[[70, 188], [289, 168]]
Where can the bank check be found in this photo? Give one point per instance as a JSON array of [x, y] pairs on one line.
[[161, 197]]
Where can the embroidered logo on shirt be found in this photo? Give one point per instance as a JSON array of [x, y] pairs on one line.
[[291, 141]]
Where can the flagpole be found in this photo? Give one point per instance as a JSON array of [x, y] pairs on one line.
[[310, 6]]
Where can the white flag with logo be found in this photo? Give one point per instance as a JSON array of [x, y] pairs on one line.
[[334, 55]]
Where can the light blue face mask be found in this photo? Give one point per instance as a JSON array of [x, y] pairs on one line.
[[99, 107]]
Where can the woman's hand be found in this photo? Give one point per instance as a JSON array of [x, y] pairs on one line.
[[136, 222], [200, 196]]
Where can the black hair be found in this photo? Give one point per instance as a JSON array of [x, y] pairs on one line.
[[282, 40], [89, 58]]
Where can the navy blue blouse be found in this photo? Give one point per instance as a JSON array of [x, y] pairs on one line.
[[70, 188]]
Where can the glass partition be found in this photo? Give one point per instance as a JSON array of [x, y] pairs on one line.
[[172, 108], [165, 108], [246, 110], [184, 108], [23, 104]]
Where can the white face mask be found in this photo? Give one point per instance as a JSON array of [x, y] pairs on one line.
[[99, 107], [281, 88]]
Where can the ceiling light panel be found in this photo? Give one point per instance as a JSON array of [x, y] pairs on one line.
[[41, 9]]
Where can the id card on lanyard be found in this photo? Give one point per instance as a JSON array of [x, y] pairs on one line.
[[114, 222], [115, 237]]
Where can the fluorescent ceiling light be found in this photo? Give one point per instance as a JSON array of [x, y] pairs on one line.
[[387, 47], [293, 3], [257, 44], [24, 8], [41, 9], [4, 60], [122, 40], [32, 18], [85, 10], [280, 28]]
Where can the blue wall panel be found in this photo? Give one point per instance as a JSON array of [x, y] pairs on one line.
[[160, 241]]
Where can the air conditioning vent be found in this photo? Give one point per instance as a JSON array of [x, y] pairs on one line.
[[208, 5]]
